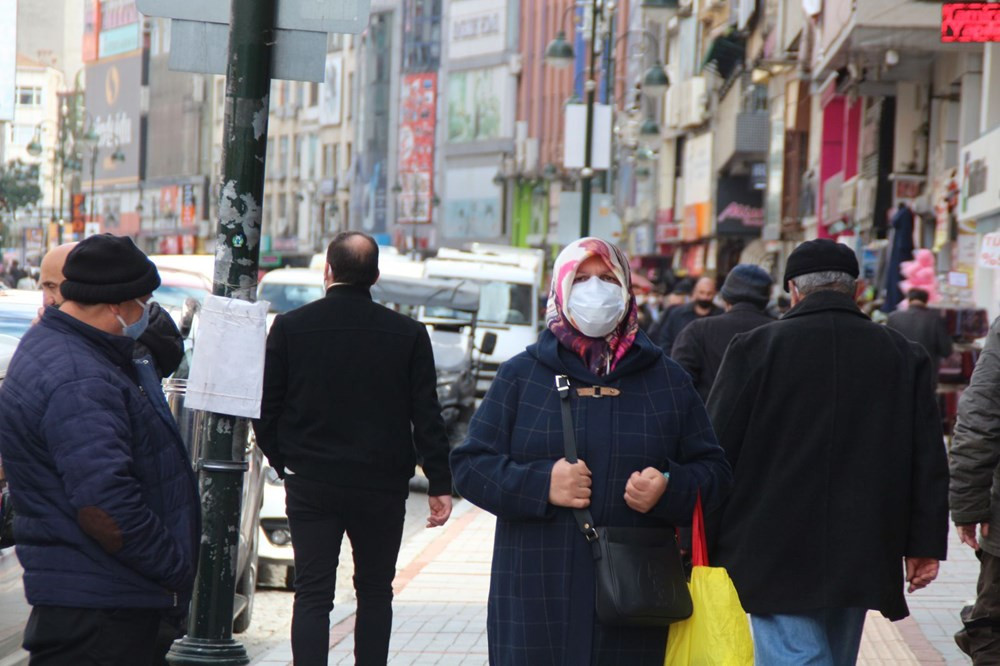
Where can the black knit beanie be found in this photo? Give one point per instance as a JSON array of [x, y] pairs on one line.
[[107, 269], [820, 256], [747, 283]]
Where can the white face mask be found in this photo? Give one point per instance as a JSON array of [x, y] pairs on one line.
[[596, 306]]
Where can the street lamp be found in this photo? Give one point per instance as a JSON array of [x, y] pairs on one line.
[[560, 54], [649, 134], [655, 80], [659, 10]]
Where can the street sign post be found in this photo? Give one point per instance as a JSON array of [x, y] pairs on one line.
[[199, 29]]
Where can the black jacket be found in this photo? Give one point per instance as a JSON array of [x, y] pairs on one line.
[[701, 345], [676, 321], [831, 427], [927, 328], [349, 389]]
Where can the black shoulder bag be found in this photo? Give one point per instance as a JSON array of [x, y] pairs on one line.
[[640, 579]]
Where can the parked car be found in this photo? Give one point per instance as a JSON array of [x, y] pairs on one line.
[[17, 310], [449, 309]]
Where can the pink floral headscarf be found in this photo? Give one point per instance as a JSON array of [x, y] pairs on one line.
[[600, 354]]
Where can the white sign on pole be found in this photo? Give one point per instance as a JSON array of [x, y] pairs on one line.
[[196, 46], [227, 371], [989, 252], [347, 16], [576, 133]]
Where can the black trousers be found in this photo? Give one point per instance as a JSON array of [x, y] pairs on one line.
[[58, 636], [319, 514], [980, 638]]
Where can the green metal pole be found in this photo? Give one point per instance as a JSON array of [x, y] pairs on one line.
[[222, 438], [587, 174]]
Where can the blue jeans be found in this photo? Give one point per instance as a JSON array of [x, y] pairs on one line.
[[827, 637]]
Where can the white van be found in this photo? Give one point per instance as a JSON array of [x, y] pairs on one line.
[[508, 304]]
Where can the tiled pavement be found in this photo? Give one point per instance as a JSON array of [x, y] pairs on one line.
[[443, 580]]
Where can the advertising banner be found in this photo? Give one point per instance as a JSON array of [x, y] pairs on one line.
[[477, 28], [740, 207], [112, 99], [475, 104], [91, 29], [8, 57], [331, 91], [119, 27], [697, 188], [980, 189], [418, 111], [473, 208]]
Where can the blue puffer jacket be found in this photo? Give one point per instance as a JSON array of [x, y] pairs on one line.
[[107, 504]]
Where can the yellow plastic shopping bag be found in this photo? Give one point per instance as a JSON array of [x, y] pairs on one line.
[[718, 631]]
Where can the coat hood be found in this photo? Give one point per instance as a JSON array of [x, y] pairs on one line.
[[552, 354]]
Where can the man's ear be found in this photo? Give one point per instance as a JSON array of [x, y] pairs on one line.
[[327, 274], [860, 289]]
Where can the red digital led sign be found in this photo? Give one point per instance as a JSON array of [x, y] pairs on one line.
[[970, 22]]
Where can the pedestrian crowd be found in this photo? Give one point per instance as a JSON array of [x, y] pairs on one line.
[[803, 448]]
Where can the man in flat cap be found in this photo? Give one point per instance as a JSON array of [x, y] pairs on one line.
[[840, 473], [107, 523]]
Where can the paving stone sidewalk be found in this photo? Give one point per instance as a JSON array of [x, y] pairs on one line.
[[443, 582]]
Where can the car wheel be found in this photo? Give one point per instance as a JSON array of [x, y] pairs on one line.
[[247, 586], [290, 579]]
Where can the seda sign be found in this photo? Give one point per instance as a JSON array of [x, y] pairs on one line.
[[970, 22]]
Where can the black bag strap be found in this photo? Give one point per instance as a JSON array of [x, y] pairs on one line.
[[584, 520]]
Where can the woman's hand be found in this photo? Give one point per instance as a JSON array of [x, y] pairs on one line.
[[569, 485], [644, 489]]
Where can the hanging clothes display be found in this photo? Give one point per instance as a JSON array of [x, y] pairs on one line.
[[902, 250]]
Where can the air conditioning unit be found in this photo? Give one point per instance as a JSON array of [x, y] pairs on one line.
[[693, 102]]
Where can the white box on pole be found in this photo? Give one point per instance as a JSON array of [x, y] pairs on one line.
[[576, 137]]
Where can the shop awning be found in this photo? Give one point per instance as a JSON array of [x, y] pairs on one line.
[[725, 53]]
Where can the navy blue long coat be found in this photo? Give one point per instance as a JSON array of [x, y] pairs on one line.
[[541, 605]]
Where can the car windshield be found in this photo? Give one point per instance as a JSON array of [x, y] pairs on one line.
[[15, 320], [286, 297], [499, 303], [173, 296]]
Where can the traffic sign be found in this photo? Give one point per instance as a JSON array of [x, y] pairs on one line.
[[197, 46], [332, 16]]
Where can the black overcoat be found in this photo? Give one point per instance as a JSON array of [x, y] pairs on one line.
[[840, 471]]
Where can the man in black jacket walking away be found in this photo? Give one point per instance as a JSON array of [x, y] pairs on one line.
[[840, 472], [702, 344], [349, 390], [924, 326]]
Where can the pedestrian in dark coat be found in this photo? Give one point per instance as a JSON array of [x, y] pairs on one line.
[[541, 603], [830, 424], [702, 344], [702, 305], [975, 498], [108, 515], [924, 326], [350, 398]]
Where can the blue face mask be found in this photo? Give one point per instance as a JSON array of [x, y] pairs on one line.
[[136, 330]]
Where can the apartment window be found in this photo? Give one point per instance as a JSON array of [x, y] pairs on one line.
[[328, 168], [347, 94], [268, 168], [22, 135], [282, 155], [300, 100], [347, 156], [299, 155], [313, 94], [334, 42], [29, 96], [313, 149], [282, 206]]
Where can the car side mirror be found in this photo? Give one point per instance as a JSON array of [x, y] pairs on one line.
[[191, 307], [489, 343]]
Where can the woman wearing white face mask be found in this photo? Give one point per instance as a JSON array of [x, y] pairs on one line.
[[646, 449]]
